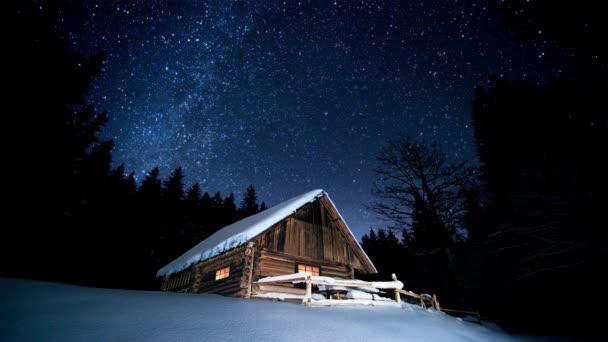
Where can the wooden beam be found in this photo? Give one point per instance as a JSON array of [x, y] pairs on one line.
[[346, 302], [436, 303], [308, 298], [476, 313], [410, 293], [343, 283], [287, 278], [267, 288], [250, 249]]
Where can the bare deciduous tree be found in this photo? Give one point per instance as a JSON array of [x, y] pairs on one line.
[[418, 186]]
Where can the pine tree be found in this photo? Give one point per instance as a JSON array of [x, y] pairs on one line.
[[205, 218], [229, 212], [382, 239], [373, 239], [392, 241], [371, 247], [263, 206], [193, 198], [217, 202], [249, 204], [214, 217], [129, 186], [206, 204], [149, 193], [173, 189], [93, 180]]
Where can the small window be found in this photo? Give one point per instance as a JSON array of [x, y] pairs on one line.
[[314, 270], [223, 273]]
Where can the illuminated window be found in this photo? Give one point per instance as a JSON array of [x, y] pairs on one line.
[[223, 273], [306, 268]]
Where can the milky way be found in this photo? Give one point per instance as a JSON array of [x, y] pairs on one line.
[[295, 95]]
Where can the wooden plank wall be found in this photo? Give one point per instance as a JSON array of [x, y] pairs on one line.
[[355, 256], [313, 232], [205, 274], [179, 282], [270, 263]]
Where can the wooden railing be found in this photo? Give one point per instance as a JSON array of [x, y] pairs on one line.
[[311, 280], [424, 300]]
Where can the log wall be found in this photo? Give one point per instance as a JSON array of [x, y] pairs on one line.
[[201, 276], [205, 273], [179, 282], [269, 263]]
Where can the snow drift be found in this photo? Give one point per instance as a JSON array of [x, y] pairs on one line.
[[40, 311]]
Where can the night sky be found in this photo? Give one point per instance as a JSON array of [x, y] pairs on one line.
[[295, 95]]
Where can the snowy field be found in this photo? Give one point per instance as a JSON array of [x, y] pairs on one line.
[[41, 311]]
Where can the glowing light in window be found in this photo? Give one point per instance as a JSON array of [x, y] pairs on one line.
[[223, 273], [306, 268]]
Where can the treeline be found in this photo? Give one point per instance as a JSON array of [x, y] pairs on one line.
[[70, 216], [125, 233], [523, 237]]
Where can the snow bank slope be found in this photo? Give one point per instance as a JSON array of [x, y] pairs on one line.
[[39, 311]]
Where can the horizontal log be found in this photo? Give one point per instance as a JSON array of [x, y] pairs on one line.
[[343, 283], [476, 313], [276, 256], [344, 302], [275, 270], [276, 260], [287, 278], [410, 293], [223, 281], [341, 272], [234, 257], [264, 264], [234, 267], [234, 270], [325, 267], [214, 284], [268, 288]]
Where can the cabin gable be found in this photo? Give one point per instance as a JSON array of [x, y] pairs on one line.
[[315, 233]]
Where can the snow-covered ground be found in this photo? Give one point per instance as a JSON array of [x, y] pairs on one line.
[[41, 311]]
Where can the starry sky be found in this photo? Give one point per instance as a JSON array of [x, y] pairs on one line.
[[293, 95]]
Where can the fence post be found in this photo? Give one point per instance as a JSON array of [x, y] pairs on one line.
[[308, 289], [436, 303]]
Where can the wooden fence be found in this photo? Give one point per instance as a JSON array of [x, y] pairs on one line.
[[424, 300]]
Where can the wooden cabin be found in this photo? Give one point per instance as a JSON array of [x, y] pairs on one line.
[[304, 233]]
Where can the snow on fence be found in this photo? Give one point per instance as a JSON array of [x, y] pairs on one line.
[[359, 292]]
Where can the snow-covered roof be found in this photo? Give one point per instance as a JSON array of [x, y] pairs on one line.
[[241, 232]]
